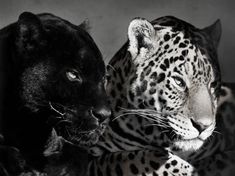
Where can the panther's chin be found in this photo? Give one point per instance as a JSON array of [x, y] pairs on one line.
[[86, 140], [79, 137], [189, 145]]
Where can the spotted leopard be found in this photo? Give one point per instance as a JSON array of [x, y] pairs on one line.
[[214, 160], [164, 87]]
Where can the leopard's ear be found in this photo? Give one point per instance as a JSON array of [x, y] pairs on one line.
[[141, 35], [29, 32], [214, 31]]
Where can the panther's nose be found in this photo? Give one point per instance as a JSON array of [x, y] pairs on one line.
[[101, 113]]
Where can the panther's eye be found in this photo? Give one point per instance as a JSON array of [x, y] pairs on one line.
[[73, 76], [179, 82]]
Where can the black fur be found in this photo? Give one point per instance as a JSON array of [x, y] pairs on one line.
[[37, 52]]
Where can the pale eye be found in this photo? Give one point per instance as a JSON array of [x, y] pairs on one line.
[[73, 76], [179, 82], [213, 84]]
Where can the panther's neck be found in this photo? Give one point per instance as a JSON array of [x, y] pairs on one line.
[[29, 133]]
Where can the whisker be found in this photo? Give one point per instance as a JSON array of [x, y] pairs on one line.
[[145, 112], [57, 111], [148, 110], [111, 67], [173, 135], [161, 125], [146, 116], [152, 115], [68, 132], [124, 114], [63, 121], [141, 110], [165, 131], [217, 132]]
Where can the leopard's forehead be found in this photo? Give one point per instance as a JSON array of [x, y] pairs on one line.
[[189, 32], [180, 56], [182, 50]]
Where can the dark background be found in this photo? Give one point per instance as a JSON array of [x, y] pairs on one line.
[[109, 19]]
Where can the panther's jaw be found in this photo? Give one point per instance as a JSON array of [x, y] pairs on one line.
[[83, 132], [87, 138], [82, 138]]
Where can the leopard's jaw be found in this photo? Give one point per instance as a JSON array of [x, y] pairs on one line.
[[189, 145]]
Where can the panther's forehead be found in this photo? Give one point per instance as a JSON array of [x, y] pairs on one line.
[[48, 19], [89, 63], [75, 49]]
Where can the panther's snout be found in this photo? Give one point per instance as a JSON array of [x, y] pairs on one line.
[[97, 115], [101, 114], [82, 125]]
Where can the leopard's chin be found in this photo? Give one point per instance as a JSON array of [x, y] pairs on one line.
[[189, 145]]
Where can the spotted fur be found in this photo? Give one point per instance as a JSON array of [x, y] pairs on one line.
[[144, 163], [164, 88], [157, 81]]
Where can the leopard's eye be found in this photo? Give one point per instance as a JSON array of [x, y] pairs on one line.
[[213, 84], [179, 82], [73, 76]]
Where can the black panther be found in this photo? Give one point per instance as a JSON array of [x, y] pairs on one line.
[[52, 77]]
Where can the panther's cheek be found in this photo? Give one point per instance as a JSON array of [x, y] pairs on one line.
[[33, 80]]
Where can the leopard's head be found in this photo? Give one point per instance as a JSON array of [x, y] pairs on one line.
[[62, 73], [175, 78]]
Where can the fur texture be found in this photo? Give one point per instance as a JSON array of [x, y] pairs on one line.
[[54, 77]]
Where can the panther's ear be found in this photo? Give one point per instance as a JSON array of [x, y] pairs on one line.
[[85, 25], [29, 32], [141, 34], [214, 31]]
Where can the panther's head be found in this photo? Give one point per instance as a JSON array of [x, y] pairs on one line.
[[62, 73], [176, 74]]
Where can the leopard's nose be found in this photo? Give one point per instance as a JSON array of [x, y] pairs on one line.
[[101, 113], [199, 126]]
